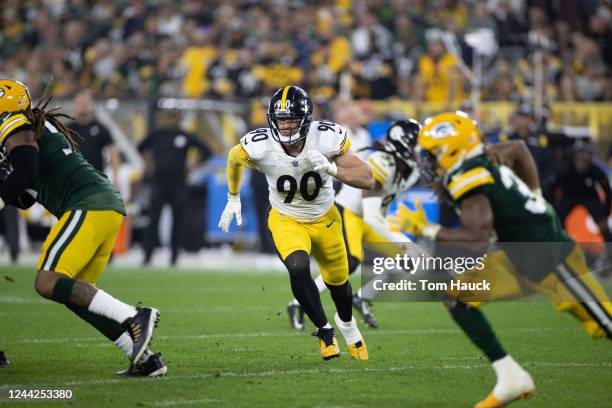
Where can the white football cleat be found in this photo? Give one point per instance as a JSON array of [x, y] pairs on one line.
[[513, 383]]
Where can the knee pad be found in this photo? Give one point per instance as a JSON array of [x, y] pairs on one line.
[[298, 265]]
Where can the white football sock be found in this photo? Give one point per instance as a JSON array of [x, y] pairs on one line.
[[327, 326], [294, 302], [125, 343], [349, 330], [320, 284], [105, 305]]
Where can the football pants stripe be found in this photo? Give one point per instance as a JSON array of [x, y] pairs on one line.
[[584, 296], [54, 250]]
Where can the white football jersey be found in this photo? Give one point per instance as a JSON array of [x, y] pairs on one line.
[[296, 190], [350, 197], [384, 170]]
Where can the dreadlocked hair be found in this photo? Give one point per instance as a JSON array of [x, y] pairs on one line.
[[39, 114], [403, 170]]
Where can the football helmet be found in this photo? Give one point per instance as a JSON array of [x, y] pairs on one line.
[[401, 138], [446, 140], [290, 102], [14, 96]]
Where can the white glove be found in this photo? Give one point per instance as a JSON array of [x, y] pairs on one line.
[[232, 208], [320, 163], [2, 204]]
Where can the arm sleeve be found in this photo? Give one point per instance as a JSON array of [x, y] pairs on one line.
[[24, 160], [237, 160]]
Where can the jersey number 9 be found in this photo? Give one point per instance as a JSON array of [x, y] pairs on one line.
[[306, 195]]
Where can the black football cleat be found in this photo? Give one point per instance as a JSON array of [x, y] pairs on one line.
[[4, 363], [140, 328], [296, 316], [154, 366], [363, 307]]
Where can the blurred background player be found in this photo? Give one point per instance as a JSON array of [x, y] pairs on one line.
[[165, 152], [490, 198], [394, 168], [299, 158], [46, 167], [96, 142]]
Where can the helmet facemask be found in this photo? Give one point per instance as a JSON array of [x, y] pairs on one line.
[[289, 134]]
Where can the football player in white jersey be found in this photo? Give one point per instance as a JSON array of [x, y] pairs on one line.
[[363, 213], [299, 158]]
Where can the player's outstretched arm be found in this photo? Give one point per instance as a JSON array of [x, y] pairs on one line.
[[354, 172], [516, 155], [237, 160], [22, 151]]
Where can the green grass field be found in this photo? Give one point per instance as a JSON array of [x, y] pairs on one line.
[[226, 339]]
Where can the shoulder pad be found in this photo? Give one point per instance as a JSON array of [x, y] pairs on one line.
[[256, 143], [331, 138]]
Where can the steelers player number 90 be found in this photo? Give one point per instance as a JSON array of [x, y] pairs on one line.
[[288, 184]]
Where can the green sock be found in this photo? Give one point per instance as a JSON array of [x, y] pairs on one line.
[[108, 327], [475, 325]]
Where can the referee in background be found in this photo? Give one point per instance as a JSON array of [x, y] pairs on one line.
[[97, 140], [165, 154]]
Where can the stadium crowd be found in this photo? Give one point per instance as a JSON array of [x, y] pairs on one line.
[[233, 49], [242, 50]]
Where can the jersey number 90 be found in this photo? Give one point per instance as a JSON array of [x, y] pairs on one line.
[[281, 183]]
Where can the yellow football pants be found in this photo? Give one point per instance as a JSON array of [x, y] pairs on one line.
[[323, 238], [80, 244], [357, 232], [571, 288]]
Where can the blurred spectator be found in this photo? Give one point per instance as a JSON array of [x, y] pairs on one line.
[[524, 128], [439, 79], [97, 141], [584, 182], [241, 49], [165, 153]]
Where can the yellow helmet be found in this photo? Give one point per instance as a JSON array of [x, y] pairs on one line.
[[449, 137], [14, 96]]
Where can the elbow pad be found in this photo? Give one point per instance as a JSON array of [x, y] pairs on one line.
[[25, 163]]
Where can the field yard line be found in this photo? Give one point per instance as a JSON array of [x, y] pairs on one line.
[[272, 373], [170, 403], [286, 334], [219, 374]]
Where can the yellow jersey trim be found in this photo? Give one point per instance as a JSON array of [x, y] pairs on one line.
[[11, 124], [468, 181], [344, 146], [377, 167]]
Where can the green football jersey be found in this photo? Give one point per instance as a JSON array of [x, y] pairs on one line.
[[519, 215], [66, 181]]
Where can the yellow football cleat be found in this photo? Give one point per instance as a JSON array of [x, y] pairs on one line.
[[492, 402], [359, 350], [328, 343]]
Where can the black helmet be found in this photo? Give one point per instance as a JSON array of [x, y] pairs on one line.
[[290, 102], [402, 137]]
